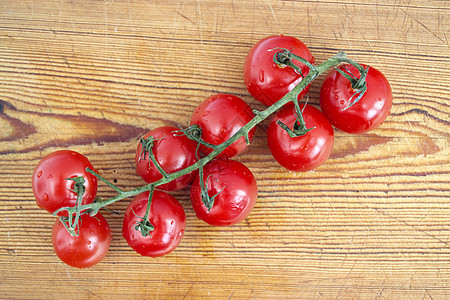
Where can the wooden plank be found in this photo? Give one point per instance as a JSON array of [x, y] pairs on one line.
[[93, 76]]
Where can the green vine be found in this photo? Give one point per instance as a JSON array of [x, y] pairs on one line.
[[284, 59]]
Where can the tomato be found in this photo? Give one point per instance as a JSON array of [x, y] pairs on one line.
[[236, 190], [301, 153], [166, 215], [173, 152], [368, 113], [265, 80], [50, 187], [219, 117], [89, 247]]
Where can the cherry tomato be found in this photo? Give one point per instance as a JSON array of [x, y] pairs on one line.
[[219, 117], [236, 190], [368, 113], [265, 80], [166, 215], [173, 152], [50, 187], [302, 153], [86, 249]]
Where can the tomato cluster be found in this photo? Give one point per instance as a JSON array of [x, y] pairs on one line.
[[54, 189], [223, 191]]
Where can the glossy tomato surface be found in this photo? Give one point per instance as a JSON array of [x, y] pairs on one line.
[[173, 152], [237, 192], [50, 187], [166, 215], [368, 113], [302, 153], [266, 81], [220, 117], [89, 247]]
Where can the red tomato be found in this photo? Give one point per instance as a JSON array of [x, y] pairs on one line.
[[50, 187], [236, 190], [219, 117], [368, 113], [173, 152], [302, 153], [265, 80], [166, 215], [86, 249]]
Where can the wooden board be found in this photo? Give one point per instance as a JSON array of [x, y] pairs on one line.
[[93, 76]]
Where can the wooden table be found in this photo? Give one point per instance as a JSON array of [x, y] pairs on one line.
[[93, 76]]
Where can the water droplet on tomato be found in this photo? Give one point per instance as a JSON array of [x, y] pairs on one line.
[[342, 102], [261, 76], [89, 242], [45, 197], [91, 232], [50, 176], [379, 99], [171, 223], [39, 174]]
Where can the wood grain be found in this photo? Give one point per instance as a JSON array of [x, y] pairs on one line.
[[93, 76]]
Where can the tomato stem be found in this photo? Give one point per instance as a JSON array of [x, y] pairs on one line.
[[359, 85], [194, 132], [110, 184], [147, 146], [144, 225], [284, 58]]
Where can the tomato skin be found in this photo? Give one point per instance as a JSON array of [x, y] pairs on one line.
[[370, 111], [89, 247], [166, 215], [50, 187], [173, 152], [303, 153], [237, 199], [264, 79], [219, 117]]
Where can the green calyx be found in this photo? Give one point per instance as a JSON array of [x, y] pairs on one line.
[[147, 146], [285, 57], [206, 198], [359, 85], [71, 221]]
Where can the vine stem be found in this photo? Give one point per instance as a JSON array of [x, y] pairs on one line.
[[339, 58]]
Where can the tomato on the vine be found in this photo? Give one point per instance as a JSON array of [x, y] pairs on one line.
[[300, 153], [265, 80], [173, 151], [234, 189], [51, 188], [167, 217], [366, 114], [89, 247], [220, 117]]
